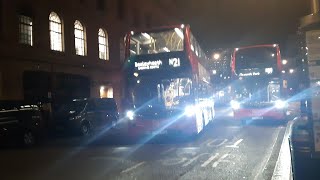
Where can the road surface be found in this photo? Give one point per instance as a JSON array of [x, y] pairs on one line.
[[224, 151]]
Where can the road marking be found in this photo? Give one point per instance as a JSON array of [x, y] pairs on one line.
[[185, 151], [133, 167], [121, 149], [205, 164], [235, 145], [193, 159], [175, 161], [221, 159], [266, 160], [210, 144], [168, 151], [206, 142], [282, 169]]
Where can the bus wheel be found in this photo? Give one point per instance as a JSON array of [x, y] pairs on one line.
[[29, 138], [85, 129]]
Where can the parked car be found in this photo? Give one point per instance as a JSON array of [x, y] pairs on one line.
[[86, 115], [20, 122]]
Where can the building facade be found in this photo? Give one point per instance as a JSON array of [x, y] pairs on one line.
[[77, 37]]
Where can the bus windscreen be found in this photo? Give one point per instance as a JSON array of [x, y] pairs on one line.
[[157, 42], [261, 57]]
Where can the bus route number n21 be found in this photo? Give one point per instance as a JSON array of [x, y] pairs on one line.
[[174, 62]]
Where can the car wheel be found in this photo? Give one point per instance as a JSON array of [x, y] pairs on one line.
[[85, 129], [29, 139]]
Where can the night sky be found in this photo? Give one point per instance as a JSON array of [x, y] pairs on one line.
[[233, 23]]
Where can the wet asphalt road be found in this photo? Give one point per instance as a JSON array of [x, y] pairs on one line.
[[225, 150]]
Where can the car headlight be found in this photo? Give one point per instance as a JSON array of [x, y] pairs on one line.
[[190, 111], [279, 104], [130, 115], [235, 105]]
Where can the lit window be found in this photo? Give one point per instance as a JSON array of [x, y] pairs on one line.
[[80, 40], [25, 30], [55, 26], [103, 45]]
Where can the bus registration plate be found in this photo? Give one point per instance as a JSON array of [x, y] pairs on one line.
[[257, 118]]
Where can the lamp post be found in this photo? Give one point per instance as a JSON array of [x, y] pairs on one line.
[[314, 6]]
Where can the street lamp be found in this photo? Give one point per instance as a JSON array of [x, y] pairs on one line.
[[216, 56], [291, 71], [284, 62]]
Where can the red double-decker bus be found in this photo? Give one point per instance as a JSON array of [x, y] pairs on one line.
[[257, 84], [167, 86]]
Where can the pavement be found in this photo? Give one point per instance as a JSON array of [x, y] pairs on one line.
[[225, 150]]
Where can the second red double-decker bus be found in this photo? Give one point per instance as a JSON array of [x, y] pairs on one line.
[[167, 88], [257, 84]]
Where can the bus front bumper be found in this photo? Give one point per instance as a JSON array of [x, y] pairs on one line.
[[259, 114], [184, 125]]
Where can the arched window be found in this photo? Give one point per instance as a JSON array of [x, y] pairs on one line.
[[80, 38], [56, 32], [103, 45]]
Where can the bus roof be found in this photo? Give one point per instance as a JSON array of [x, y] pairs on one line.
[[158, 28], [257, 46]]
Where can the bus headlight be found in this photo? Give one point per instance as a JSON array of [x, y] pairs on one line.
[[235, 105], [190, 111], [279, 104], [130, 115]]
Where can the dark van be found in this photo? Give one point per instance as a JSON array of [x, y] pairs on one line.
[[20, 122]]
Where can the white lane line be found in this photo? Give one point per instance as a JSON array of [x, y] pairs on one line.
[[235, 145], [175, 161], [194, 159], [133, 167], [221, 159], [205, 164], [266, 160], [168, 151], [282, 170], [210, 142]]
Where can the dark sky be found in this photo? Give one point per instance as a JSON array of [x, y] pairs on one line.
[[232, 23]]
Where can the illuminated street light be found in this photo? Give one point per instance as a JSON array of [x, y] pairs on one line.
[[216, 56], [284, 62], [291, 71], [283, 72]]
